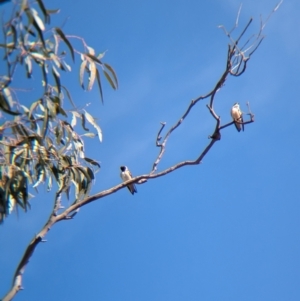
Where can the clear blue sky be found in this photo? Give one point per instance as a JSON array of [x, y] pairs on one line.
[[228, 229]]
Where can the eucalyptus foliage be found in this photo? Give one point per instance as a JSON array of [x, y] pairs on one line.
[[38, 140]]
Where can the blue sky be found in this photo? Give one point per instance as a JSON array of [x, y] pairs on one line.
[[227, 229]]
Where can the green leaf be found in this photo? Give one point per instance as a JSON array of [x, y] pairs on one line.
[[94, 58], [91, 161], [62, 111], [69, 130], [81, 73], [45, 123], [37, 23], [9, 45], [90, 135], [53, 11], [14, 33], [44, 11], [58, 134], [88, 177], [31, 32], [76, 181], [92, 121], [99, 84], [8, 96], [68, 95], [45, 71], [40, 174], [4, 106], [101, 55], [92, 75], [39, 56], [74, 119], [28, 65], [62, 35], [49, 185], [34, 106], [83, 122], [91, 50], [56, 76], [109, 80], [112, 71], [37, 19], [67, 66]]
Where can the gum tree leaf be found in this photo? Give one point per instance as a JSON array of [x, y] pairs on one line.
[[92, 77], [56, 78], [52, 11], [68, 95], [37, 19], [112, 71], [90, 135], [92, 121], [8, 96], [38, 56], [44, 11], [81, 73], [83, 122], [99, 85], [4, 106], [109, 80], [9, 45], [28, 65], [91, 161], [37, 23], [62, 35], [94, 58], [45, 123], [91, 50]]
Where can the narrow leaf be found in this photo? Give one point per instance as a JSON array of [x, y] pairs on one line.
[[109, 80], [56, 78], [9, 45], [83, 122], [4, 106], [94, 58], [112, 71], [45, 123], [91, 161], [45, 71], [62, 35], [44, 11], [99, 84], [28, 65], [37, 19], [81, 72], [14, 32], [38, 28], [53, 11], [68, 95], [8, 96], [90, 135], [91, 50], [92, 75], [38, 56], [92, 121]]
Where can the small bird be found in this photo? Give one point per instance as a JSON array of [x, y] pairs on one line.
[[126, 175], [237, 115]]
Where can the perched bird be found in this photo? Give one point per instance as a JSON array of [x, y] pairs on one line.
[[126, 175], [237, 115]]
